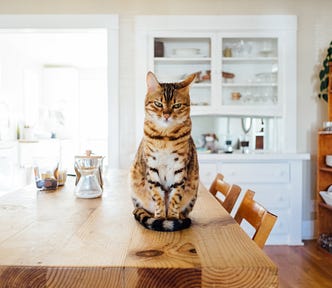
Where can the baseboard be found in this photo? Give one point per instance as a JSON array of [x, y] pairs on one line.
[[308, 230]]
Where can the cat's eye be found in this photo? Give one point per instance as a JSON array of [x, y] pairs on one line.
[[177, 105], [158, 104]]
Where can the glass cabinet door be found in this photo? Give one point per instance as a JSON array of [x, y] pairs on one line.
[[177, 57], [249, 71]]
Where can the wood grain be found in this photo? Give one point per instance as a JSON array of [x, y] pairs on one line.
[[53, 239]]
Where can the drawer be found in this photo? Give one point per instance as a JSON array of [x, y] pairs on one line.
[[256, 172], [282, 225], [271, 196], [207, 172]]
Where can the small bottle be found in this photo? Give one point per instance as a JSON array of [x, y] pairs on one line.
[[245, 146], [229, 147], [259, 138]]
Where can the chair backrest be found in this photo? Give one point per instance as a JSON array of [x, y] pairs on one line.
[[257, 216], [230, 191]]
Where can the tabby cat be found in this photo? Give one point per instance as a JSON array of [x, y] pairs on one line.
[[164, 175]]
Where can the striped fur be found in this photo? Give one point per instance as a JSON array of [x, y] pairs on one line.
[[164, 175]]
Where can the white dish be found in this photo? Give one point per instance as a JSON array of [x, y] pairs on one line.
[[327, 197], [327, 125], [328, 160], [186, 52]]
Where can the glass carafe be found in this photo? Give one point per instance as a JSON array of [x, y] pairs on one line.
[[88, 175]]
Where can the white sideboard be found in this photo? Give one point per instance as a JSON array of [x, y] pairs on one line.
[[277, 180]]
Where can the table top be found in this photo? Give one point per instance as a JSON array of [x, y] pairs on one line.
[[53, 239]]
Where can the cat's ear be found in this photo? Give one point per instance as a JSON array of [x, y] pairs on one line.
[[189, 79], [152, 82]]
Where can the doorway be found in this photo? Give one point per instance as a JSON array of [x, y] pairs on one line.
[[59, 76]]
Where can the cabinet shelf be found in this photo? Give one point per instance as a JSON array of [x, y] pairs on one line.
[[325, 169], [325, 132], [249, 85], [234, 110], [324, 205], [249, 59], [201, 85], [181, 59]]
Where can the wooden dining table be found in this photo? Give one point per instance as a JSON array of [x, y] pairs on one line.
[[54, 239]]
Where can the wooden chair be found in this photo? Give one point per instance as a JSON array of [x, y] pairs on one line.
[[230, 191], [257, 216]]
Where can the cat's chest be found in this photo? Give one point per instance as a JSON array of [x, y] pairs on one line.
[[165, 158], [166, 162]]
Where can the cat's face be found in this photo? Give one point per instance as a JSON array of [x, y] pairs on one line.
[[167, 104]]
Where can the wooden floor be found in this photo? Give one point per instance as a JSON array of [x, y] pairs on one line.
[[302, 266]]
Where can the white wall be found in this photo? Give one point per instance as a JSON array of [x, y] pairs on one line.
[[314, 35]]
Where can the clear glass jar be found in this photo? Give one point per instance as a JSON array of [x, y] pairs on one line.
[[88, 176], [45, 172]]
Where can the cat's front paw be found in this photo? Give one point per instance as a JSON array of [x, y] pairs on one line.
[[182, 216], [160, 215], [136, 210], [173, 215]]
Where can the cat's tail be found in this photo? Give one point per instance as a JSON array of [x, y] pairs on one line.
[[149, 222]]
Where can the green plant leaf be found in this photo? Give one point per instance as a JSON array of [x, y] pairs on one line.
[[324, 84], [327, 69], [323, 74], [325, 97], [325, 62]]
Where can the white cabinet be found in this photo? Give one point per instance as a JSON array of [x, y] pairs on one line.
[[246, 66], [278, 184]]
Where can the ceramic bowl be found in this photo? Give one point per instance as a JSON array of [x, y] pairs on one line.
[[327, 126], [327, 197], [328, 160]]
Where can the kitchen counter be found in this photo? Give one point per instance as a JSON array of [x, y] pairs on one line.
[[238, 155]]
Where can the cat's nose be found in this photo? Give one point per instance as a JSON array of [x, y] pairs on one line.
[[166, 115]]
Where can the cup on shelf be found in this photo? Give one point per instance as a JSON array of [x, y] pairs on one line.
[[236, 96]]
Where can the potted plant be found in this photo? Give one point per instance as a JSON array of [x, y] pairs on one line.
[[324, 73]]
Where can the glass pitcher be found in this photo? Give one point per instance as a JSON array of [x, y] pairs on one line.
[[88, 170]]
